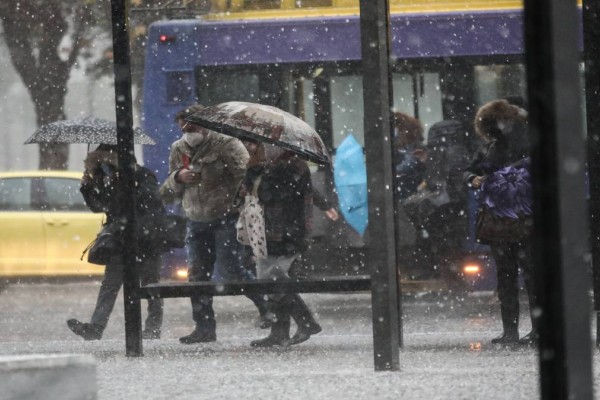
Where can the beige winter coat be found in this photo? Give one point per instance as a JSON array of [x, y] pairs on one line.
[[221, 160]]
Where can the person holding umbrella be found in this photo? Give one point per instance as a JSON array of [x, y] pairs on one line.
[[279, 176], [99, 189], [205, 172], [282, 183]]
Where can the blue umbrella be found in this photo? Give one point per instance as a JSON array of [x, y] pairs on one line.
[[350, 176]]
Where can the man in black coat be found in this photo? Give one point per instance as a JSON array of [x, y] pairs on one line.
[[99, 189]]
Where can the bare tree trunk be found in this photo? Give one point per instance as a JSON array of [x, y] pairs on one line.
[[49, 100], [33, 35]]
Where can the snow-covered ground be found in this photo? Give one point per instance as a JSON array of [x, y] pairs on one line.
[[447, 354]]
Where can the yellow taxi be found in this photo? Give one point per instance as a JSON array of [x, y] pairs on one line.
[[45, 225]]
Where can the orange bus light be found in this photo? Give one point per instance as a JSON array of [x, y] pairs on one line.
[[471, 269], [182, 273]]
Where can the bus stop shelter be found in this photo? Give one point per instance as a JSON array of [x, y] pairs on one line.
[[558, 158]]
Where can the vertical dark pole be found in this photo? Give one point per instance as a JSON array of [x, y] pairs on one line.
[[323, 114], [591, 41], [374, 27], [122, 67], [560, 236]]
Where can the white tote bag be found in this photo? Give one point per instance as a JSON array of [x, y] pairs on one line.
[[251, 225]]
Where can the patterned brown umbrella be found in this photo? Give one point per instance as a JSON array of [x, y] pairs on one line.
[[260, 123]]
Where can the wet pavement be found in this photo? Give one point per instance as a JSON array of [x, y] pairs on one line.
[[447, 352]]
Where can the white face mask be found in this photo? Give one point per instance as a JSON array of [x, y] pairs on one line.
[[194, 138]]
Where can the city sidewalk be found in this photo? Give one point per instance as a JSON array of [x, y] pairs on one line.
[[447, 354]]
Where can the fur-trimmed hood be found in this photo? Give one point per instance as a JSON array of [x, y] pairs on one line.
[[498, 118]]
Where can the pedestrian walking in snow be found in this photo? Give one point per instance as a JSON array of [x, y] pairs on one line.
[[205, 172]]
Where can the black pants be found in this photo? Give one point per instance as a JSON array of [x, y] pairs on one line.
[[149, 271], [510, 257]]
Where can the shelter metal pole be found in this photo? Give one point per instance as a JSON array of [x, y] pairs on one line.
[[375, 43], [124, 114], [560, 244], [591, 41]]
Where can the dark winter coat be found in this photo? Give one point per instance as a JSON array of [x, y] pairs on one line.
[[101, 195], [447, 158], [503, 127], [285, 192], [409, 171]]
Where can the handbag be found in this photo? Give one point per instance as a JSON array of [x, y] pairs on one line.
[[250, 226], [505, 215], [106, 244], [492, 229], [161, 232], [173, 231]]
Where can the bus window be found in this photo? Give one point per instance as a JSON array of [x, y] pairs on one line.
[[403, 93], [429, 99], [218, 86], [347, 108], [179, 87], [305, 98], [347, 102], [419, 95], [497, 81]]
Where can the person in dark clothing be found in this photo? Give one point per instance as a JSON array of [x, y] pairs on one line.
[[98, 186], [409, 155], [447, 157], [502, 126], [441, 217], [283, 185]]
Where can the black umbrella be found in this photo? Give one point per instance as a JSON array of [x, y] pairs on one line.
[[84, 130], [259, 123]]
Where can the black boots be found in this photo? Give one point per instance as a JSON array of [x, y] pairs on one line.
[[280, 328], [307, 325], [508, 337], [531, 339], [509, 313], [199, 336], [86, 330], [267, 317], [290, 305], [279, 336], [94, 332]]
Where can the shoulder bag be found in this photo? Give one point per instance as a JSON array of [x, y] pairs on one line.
[[250, 226], [105, 245]]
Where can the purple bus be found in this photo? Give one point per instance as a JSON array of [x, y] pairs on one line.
[[444, 65]]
